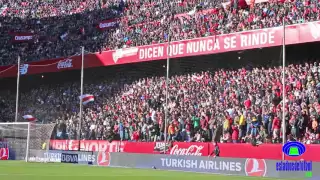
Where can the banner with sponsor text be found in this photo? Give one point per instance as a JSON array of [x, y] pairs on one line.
[[232, 166], [263, 38], [108, 24], [56, 156], [22, 37], [185, 148], [87, 145], [228, 166]]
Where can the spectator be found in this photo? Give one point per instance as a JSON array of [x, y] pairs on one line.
[[60, 27]]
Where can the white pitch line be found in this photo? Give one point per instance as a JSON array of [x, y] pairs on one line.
[[86, 175]]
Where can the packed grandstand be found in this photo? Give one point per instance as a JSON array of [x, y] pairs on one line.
[[234, 100]]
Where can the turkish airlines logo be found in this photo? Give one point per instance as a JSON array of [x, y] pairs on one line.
[[121, 53], [315, 30], [4, 153], [103, 159], [255, 167]]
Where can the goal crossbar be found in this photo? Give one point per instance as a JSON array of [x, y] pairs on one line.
[[15, 123]]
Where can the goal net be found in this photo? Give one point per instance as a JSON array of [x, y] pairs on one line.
[[23, 137]]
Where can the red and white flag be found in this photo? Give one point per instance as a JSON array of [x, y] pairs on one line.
[[29, 118], [86, 98], [197, 78]]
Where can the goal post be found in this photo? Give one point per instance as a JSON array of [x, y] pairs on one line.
[[21, 137]]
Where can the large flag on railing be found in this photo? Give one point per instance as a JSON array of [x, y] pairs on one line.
[[29, 118], [86, 98]]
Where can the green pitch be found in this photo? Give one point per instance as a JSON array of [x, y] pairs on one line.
[[17, 170]]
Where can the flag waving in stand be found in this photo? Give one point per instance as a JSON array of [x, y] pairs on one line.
[[29, 118], [86, 98], [197, 78]]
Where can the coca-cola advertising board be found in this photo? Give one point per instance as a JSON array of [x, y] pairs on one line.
[[263, 38], [226, 150], [177, 148]]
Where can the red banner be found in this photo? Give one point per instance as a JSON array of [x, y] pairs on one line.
[[177, 148], [263, 151], [22, 37], [88, 145], [295, 34], [108, 24]]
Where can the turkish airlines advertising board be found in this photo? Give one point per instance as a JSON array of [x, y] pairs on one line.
[[295, 34]]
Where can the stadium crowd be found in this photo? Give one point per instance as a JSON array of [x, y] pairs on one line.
[[58, 28], [225, 105]]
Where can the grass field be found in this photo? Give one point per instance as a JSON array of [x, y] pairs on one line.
[[17, 170]]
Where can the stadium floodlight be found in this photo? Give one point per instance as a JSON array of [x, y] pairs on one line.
[[22, 137]]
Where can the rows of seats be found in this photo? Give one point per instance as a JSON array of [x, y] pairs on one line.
[[140, 22], [231, 106]]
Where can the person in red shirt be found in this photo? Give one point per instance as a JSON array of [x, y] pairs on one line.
[[276, 124], [135, 136], [235, 134]]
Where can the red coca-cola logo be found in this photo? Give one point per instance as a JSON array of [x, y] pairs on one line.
[[192, 150]]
